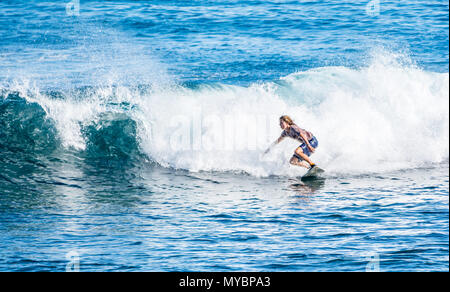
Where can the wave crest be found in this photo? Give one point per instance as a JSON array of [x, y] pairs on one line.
[[385, 116]]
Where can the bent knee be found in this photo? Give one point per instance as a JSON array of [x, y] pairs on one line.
[[299, 150]]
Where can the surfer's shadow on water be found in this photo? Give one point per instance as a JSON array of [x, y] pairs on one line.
[[305, 189]]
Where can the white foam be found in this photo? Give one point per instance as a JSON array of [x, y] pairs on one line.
[[379, 118], [382, 117]]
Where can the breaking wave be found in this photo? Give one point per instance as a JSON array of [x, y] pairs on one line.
[[385, 116]]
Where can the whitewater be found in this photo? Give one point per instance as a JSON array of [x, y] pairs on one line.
[[386, 116]]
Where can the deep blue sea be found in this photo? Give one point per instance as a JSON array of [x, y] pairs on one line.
[[132, 135]]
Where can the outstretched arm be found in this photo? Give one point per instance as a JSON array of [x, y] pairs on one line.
[[274, 143]]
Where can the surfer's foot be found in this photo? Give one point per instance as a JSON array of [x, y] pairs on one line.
[[312, 165]]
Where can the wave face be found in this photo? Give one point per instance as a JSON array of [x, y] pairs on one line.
[[385, 116], [24, 126]]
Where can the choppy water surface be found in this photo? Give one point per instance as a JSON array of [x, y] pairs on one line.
[[157, 219]]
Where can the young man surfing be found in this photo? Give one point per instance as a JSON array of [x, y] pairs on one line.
[[308, 146]]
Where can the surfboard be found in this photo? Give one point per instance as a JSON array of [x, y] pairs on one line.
[[313, 173]]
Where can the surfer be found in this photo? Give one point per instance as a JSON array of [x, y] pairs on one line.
[[308, 146]]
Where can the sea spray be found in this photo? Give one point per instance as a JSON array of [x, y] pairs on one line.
[[384, 116], [388, 115]]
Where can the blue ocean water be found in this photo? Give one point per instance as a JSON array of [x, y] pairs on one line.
[[132, 132]]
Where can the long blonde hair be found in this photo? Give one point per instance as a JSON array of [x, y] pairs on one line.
[[287, 119]]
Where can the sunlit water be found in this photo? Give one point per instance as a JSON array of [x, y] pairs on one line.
[[156, 219]]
